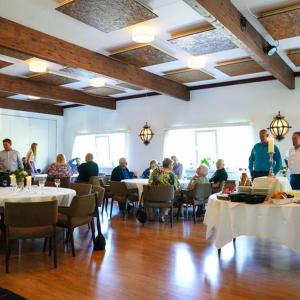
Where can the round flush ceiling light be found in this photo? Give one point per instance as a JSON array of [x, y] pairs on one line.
[[197, 62], [97, 82], [37, 66], [33, 98], [143, 34]]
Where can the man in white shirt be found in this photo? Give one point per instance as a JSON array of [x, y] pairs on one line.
[[293, 161], [10, 160]]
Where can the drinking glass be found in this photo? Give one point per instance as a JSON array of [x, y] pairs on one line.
[[57, 182], [42, 183]]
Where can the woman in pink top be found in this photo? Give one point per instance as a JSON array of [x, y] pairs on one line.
[[60, 168]]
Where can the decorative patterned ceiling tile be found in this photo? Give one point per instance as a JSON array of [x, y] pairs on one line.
[[4, 64], [144, 56], [283, 23], [240, 67], [204, 42], [4, 94], [14, 53], [294, 56], [107, 15], [53, 79], [46, 101], [79, 72], [187, 75], [130, 86], [102, 91]]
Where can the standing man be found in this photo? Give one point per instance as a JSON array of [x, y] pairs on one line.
[[10, 160], [177, 167], [293, 161], [259, 158]]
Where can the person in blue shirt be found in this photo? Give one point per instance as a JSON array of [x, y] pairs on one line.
[[259, 158], [121, 171], [153, 165]]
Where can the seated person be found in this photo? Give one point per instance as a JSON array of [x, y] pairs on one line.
[[177, 167], [121, 171], [219, 176], [162, 176], [74, 163], [59, 169], [87, 169], [148, 171], [200, 177]]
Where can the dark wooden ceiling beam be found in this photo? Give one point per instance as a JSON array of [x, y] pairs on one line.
[[228, 15], [38, 44], [31, 106], [24, 86]]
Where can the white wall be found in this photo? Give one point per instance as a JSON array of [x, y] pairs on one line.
[[255, 102], [24, 128]]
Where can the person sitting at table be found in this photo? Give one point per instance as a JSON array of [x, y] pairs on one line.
[[121, 171], [200, 177], [74, 163], [293, 161], [259, 159], [219, 176], [162, 176], [87, 169], [10, 160], [31, 158], [148, 171], [59, 169], [177, 167]]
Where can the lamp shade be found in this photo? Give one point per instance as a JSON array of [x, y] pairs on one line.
[[279, 127], [146, 134]]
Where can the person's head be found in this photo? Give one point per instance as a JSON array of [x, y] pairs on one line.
[[202, 171], [123, 162], [174, 159], [78, 161], [220, 164], [33, 148], [263, 136], [60, 159], [7, 143], [296, 139], [153, 164], [89, 157], [167, 163]]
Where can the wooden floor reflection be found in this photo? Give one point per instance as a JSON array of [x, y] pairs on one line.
[[155, 262]]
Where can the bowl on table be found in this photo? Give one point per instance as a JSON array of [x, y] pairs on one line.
[[255, 199], [238, 197]]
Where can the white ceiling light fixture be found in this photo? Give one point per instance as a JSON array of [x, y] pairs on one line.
[[97, 82], [143, 34], [33, 98], [37, 66], [197, 62]]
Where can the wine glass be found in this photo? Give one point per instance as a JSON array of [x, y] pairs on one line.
[[42, 183], [57, 182]]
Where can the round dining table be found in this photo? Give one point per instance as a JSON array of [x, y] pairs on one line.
[[63, 196]]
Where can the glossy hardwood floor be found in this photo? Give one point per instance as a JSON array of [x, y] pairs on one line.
[[154, 262]]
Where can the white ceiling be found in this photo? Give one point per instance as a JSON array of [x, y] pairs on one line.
[[173, 15]]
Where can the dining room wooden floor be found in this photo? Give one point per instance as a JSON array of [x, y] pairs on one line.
[[154, 262]]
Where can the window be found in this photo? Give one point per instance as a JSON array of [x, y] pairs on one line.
[[206, 144], [107, 148]]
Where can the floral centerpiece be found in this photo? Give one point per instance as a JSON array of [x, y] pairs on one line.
[[20, 176]]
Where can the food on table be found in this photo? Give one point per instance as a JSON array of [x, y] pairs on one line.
[[281, 195]]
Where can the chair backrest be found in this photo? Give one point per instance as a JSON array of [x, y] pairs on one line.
[[158, 193], [202, 191], [94, 180], [82, 206], [118, 188], [100, 192], [64, 181], [30, 214], [102, 182], [81, 188]]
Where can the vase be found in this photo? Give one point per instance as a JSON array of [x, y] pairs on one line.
[[20, 183]]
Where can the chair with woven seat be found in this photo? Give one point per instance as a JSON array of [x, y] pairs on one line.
[[30, 220], [123, 195], [161, 196], [198, 196], [81, 188], [79, 213]]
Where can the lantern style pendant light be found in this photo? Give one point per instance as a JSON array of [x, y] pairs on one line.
[[279, 127], [146, 134]]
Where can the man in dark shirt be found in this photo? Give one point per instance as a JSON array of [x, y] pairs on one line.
[[121, 171], [219, 176], [87, 169]]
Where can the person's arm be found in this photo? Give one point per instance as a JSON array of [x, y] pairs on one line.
[[19, 161], [277, 161], [251, 161], [28, 160], [215, 177]]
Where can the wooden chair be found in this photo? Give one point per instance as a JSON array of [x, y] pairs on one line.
[[94, 181], [99, 197], [79, 213], [123, 195], [30, 220], [64, 181], [159, 197], [81, 188], [196, 197], [107, 195]]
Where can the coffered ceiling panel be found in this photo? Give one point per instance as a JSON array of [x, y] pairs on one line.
[[144, 56], [79, 72], [130, 86], [46, 101], [4, 64], [51, 78], [102, 91], [294, 56], [4, 94], [188, 75], [14, 54], [205, 41], [240, 67], [107, 15], [282, 23]]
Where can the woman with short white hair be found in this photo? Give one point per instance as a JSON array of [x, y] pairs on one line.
[[200, 177]]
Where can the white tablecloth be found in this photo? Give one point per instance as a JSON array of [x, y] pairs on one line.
[[38, 177], [226, 220], [37, 194]]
